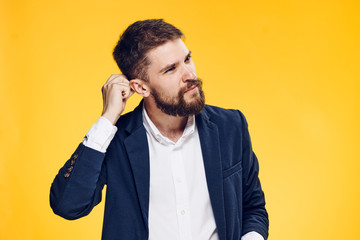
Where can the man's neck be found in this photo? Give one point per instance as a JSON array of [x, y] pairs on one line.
[[169, 126]]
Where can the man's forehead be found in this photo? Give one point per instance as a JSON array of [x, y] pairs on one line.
[[168, 53]]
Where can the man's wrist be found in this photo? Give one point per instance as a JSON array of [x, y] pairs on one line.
[[100, 135], [111, 117]]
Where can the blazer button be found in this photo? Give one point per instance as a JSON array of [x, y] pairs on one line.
[[66, 175], [75, 156], [70, 169], [72, 162]]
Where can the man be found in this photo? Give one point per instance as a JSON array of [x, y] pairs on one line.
[[175, 168]]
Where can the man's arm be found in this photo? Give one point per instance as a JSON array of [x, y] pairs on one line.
[[255, 217], [77, 187]]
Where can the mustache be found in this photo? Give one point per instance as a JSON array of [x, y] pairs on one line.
[[192, 82]]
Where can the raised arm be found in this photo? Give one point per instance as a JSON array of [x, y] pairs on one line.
[[77, 187]]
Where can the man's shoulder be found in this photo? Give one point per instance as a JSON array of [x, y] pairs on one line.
[[216, 114], [219, 110], [230, 123]]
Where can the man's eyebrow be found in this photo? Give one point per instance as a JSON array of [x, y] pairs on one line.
[[173, 64], [168, 67]]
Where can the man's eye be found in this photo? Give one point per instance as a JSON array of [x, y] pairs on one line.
[[187, 59], [170, 69]]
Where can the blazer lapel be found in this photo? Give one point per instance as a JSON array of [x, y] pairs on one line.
[[210, 147], [138, 152]]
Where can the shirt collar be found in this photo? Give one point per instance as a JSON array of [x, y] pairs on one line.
[[152, 129]]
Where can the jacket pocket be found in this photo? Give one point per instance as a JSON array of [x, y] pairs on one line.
[[232, 170]]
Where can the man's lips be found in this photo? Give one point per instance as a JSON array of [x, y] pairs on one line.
[[191, 88]]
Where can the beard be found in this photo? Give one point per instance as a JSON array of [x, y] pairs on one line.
[[177, 106]]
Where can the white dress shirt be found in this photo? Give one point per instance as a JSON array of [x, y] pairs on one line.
[[179, 206]]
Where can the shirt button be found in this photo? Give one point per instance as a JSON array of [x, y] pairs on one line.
[[182, 212], [178, 180]]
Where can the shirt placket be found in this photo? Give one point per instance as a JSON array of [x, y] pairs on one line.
[[181, 192]]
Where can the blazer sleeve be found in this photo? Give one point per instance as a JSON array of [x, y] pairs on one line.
[[77, 187], [255, 216]]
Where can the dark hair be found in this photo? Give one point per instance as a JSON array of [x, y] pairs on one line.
[[139, 38]]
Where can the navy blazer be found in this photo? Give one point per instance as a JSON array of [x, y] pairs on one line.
[[231, 170]]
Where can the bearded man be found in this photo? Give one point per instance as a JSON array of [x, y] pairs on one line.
[[174, 167]]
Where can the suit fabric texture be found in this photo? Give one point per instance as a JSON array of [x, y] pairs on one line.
[[231, 170]]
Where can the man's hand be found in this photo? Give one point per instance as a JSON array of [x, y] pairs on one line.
[[116, 91]]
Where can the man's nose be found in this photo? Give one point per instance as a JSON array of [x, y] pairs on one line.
[[188, 73]]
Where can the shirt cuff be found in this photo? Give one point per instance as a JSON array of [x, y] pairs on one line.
[[100, 135], [252, 236]]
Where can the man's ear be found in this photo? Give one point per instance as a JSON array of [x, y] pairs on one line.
[[140, 87]]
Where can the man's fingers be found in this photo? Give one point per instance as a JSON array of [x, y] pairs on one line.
[[116, 78], [125, 89], [115, 84], [120, 87], [103, 96], [115, 93], [127, 93]]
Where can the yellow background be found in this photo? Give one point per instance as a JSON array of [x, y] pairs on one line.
[[292, 67]]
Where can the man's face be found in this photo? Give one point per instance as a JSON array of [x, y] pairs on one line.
[[172, 80]]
